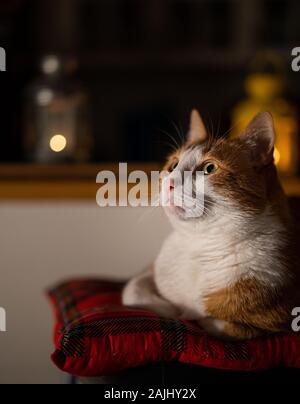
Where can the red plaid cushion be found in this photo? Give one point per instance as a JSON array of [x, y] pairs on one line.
[[95, 335]]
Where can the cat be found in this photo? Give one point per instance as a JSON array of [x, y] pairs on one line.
[[232, 268]]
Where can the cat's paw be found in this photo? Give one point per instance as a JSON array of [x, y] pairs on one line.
[[213, 326], [188, 315], [134, 296], [164, 309]]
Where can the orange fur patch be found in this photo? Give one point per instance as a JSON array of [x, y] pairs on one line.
[[250, 308]]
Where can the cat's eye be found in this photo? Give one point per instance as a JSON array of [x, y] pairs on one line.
[[210, 168], [174, 166]]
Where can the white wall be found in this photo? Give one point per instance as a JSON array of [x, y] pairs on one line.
[[44, 243]]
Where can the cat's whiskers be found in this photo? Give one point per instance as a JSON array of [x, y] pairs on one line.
[[155, 203], [179, 132], [205, 207], [176, 144], [168, 144], [231, 128], [219, 126], [211, 127]]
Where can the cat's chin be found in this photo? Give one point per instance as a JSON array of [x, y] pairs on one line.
[[176, 210], [182, 214]]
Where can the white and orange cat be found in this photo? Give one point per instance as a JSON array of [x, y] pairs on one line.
[[231, 268]]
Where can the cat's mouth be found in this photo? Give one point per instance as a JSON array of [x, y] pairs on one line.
[[187, 212], [177, 210], [198, 210]]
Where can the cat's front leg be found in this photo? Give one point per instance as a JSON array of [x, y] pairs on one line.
[[141, 292]]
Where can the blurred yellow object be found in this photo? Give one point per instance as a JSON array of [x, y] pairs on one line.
[[276, 156], [263, 86], [264, 94]]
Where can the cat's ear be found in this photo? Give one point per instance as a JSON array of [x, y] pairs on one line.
[[260, 139], [197, 130]]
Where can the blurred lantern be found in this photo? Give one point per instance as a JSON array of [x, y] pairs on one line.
[[57, 125], [264, 86]]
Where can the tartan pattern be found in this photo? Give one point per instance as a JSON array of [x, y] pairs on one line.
[[75, 328], [174, 336], [90, 318], [67, 297], [72, 345]]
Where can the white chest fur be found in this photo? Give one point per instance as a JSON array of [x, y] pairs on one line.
[[189, 268]]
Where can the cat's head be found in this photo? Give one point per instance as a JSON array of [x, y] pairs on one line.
[[237, 174]]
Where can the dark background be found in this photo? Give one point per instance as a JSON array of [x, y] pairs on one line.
[[145, 63]]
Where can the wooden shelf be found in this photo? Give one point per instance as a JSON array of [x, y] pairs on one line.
[[73, 182], [57, 182], [63, 172]]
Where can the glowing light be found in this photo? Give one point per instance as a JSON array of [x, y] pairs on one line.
[[44, 97], [50, 64], [58, 143], [276, 156]]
